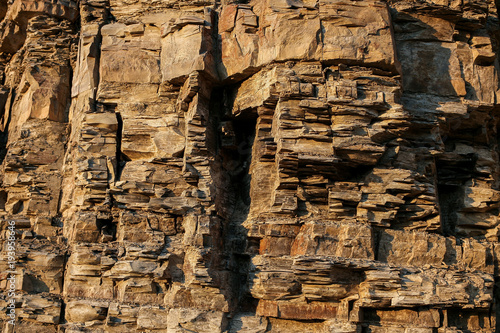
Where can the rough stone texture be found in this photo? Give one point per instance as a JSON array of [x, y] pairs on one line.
[[251, 166]]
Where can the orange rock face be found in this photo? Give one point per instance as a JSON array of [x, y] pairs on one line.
[[249, 166]]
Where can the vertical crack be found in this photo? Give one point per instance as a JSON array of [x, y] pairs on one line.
[[120, 162]]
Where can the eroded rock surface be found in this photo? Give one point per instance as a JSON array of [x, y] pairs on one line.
[[251, 166]]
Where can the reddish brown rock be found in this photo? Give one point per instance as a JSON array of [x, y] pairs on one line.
[[250, 166], [297, 311]]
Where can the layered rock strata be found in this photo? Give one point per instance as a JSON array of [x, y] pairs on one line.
[[251, 166]]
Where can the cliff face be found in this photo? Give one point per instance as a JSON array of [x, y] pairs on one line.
[[251, 166]]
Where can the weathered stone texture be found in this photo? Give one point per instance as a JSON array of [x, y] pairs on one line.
[[251, 166]]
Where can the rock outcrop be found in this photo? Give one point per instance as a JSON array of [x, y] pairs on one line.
[[250, 166]]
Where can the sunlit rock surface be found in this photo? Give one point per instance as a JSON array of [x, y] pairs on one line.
[[251, 166]]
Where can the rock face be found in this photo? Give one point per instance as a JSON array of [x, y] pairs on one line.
[[251, 166]]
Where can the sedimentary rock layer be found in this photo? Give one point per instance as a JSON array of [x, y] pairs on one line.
[[250, 166]]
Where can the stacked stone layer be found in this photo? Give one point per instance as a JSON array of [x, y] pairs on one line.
[[251, 166]]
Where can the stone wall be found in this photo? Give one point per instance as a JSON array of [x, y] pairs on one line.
[[251, 166]]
